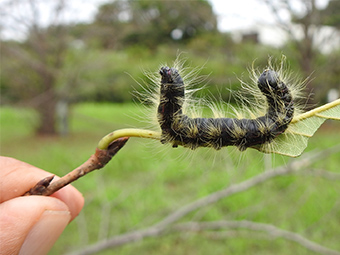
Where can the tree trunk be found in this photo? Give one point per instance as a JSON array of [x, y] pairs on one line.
[[46, 111], [47, 104]]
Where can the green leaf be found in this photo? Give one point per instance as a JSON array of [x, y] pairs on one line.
[[295, 139]]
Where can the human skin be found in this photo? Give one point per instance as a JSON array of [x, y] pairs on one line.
[[32, 224]]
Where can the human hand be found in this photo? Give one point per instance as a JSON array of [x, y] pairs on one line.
[[32, 224]]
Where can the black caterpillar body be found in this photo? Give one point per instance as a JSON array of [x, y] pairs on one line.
[[180, 129]]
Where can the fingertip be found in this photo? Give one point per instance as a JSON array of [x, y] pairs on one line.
[[72, 198]]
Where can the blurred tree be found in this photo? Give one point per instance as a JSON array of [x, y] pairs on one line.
[[330, 15], [111, 24], [150, 23], [306, 31], [33, 63]]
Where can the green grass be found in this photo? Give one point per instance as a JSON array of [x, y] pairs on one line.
[[146, 181]]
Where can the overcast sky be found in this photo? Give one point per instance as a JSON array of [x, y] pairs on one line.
[[243, 14], [232, 15]]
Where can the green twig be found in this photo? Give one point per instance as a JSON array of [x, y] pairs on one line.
[[127, 132]]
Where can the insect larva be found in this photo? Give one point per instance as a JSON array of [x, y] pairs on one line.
[[179, 129]]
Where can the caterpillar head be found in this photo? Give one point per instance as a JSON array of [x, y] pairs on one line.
[[268, 78], [270, 83], [170, 75]]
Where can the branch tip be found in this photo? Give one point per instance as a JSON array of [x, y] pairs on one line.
[[40, 187], [116, 145]]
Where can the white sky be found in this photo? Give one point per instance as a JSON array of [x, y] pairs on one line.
[[243, 14], [232, 14]]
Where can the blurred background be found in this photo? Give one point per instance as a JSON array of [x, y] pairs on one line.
[[68, 73]]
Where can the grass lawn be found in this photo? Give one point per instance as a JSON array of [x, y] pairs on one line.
[[147, 181]]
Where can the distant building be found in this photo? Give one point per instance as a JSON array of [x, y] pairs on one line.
[[328, 38], [250, 37]]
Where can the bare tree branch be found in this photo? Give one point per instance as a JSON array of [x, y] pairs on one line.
[[286, 26], [272, 231], [331, 176], [236, 188], [96, 161], [163, 226]]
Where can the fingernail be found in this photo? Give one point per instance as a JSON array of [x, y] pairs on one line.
[[45, 232]]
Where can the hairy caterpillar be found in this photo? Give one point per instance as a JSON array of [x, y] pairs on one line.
[[179, 129], [282, 127]]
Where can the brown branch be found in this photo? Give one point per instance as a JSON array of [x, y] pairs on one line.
[[162, 227], [96, 161], [245, 185], [272, 231], [331, 176]]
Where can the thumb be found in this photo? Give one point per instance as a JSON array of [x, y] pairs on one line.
[[32, 224]]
